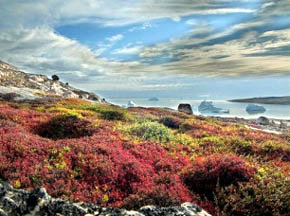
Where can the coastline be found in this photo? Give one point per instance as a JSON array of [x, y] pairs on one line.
[[276, 126]]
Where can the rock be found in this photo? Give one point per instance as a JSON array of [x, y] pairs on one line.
[[9, 97], [283, 125], [263, 121], [15, 202], [185, 108]]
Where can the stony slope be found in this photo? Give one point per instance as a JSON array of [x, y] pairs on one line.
[[20, 86]]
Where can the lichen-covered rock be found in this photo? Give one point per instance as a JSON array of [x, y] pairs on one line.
[[14, 202]]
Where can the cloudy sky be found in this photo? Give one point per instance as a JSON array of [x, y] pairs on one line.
[[229, 48]]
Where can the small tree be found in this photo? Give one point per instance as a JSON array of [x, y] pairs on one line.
[[55, 77]]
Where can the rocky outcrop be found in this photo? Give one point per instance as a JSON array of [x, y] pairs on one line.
[[33, 86], [37, 202], [185, 108]]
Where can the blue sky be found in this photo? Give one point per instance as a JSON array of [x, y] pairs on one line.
[[152, 45]]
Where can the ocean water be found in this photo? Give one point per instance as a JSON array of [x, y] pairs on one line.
[[236, 109]]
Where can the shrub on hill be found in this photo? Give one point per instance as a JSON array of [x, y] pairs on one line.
[[203, 175], [115, 115], [171, 122], [55, 77], [266, 194], [65, 126], [149, 131], [110, 113]]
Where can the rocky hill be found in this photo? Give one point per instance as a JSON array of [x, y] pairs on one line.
[[16, 85]]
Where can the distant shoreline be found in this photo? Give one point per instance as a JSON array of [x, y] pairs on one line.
[[285, 100]]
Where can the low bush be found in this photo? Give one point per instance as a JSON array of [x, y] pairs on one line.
[[203, 175], [65, 126], [240, 145], [171, 122], [272, 150], [213, 143], [266, 195], [115, 115], [149, 131]]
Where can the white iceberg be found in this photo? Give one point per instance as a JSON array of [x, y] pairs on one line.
[[131, 104], [253, 108], [208, 107]]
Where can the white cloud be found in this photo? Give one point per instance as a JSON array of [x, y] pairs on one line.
[[115, 38], [106, 12], [28, 40], [144, 26], [128, 50]]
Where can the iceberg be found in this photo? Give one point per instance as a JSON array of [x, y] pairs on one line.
[[155, 99], [131, 104], [208, 107], [253, 108]]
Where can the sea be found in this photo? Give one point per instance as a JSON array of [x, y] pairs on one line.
[[236, 109]]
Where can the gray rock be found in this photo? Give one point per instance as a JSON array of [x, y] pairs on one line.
[[263, 120], [14, 202], [185, 108]]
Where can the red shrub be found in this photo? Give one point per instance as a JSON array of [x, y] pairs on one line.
[[204, 174], [65, 126], [98, 168]]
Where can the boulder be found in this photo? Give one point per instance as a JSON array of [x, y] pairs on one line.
[[14, 202], [263, 120], [185, 108]]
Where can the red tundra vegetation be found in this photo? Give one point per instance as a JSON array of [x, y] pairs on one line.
[[130, 158]]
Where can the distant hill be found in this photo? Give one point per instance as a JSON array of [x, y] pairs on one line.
[[20, 86], [265, 100]]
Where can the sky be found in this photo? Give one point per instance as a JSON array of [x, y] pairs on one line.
[[217, 48]]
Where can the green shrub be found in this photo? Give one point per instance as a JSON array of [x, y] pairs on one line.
[[215, 141], [240, 145], [185, 139], [115, 115], [111, 113], [150, 131]]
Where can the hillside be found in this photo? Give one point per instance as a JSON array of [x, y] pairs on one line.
[[110, 156], [265, 100], [25, 87]]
